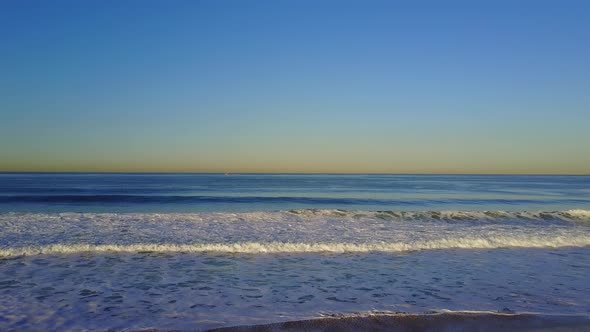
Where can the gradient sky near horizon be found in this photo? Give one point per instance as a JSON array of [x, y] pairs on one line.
[[295, 86]]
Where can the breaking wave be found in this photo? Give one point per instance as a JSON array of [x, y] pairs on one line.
[[576, 215], [568, 215], [285, 247], [294, 231]]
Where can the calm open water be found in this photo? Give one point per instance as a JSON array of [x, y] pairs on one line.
[[73, 192]]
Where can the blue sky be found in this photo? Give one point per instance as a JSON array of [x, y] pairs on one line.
[[295, 86]]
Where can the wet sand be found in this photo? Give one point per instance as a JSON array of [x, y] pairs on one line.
[[452, 321]]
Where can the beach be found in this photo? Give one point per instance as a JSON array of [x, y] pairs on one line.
[[446, 321]]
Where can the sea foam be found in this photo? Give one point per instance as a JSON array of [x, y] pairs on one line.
[[285, 247], [295, 231]]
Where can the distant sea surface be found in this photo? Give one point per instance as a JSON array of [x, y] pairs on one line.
[[99, 192], [197, 251]]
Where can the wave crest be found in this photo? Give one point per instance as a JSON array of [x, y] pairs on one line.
[[328, 247], [454, 215]]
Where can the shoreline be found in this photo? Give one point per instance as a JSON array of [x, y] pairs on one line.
[[438, 321]]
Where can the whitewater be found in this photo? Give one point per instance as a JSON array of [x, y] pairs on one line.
[[215, 269], [295, 231]]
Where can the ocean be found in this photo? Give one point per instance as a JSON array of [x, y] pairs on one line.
[[98, 251]]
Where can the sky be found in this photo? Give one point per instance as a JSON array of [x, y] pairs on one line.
[[295, 86]]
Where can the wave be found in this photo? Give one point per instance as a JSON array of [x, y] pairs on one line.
[[455, 215], [294, 231], [327, 247], [438, 321], [575, 215]]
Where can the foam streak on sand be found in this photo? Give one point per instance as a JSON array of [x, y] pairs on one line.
[[280, 247]]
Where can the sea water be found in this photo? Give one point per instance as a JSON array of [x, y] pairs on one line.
[[196, 251]]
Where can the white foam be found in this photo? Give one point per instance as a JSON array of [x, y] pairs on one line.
[[289, 232], [580, 214], [329, 247], [445, 215], [456, 215]]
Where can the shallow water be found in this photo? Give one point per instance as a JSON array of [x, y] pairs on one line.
[[188, 291], [71, 271]]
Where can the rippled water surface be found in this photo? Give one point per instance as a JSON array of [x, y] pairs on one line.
[[186, 251], [200, 291], [86, 192]]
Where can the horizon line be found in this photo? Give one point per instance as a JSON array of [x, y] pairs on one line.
[[287, 173]]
